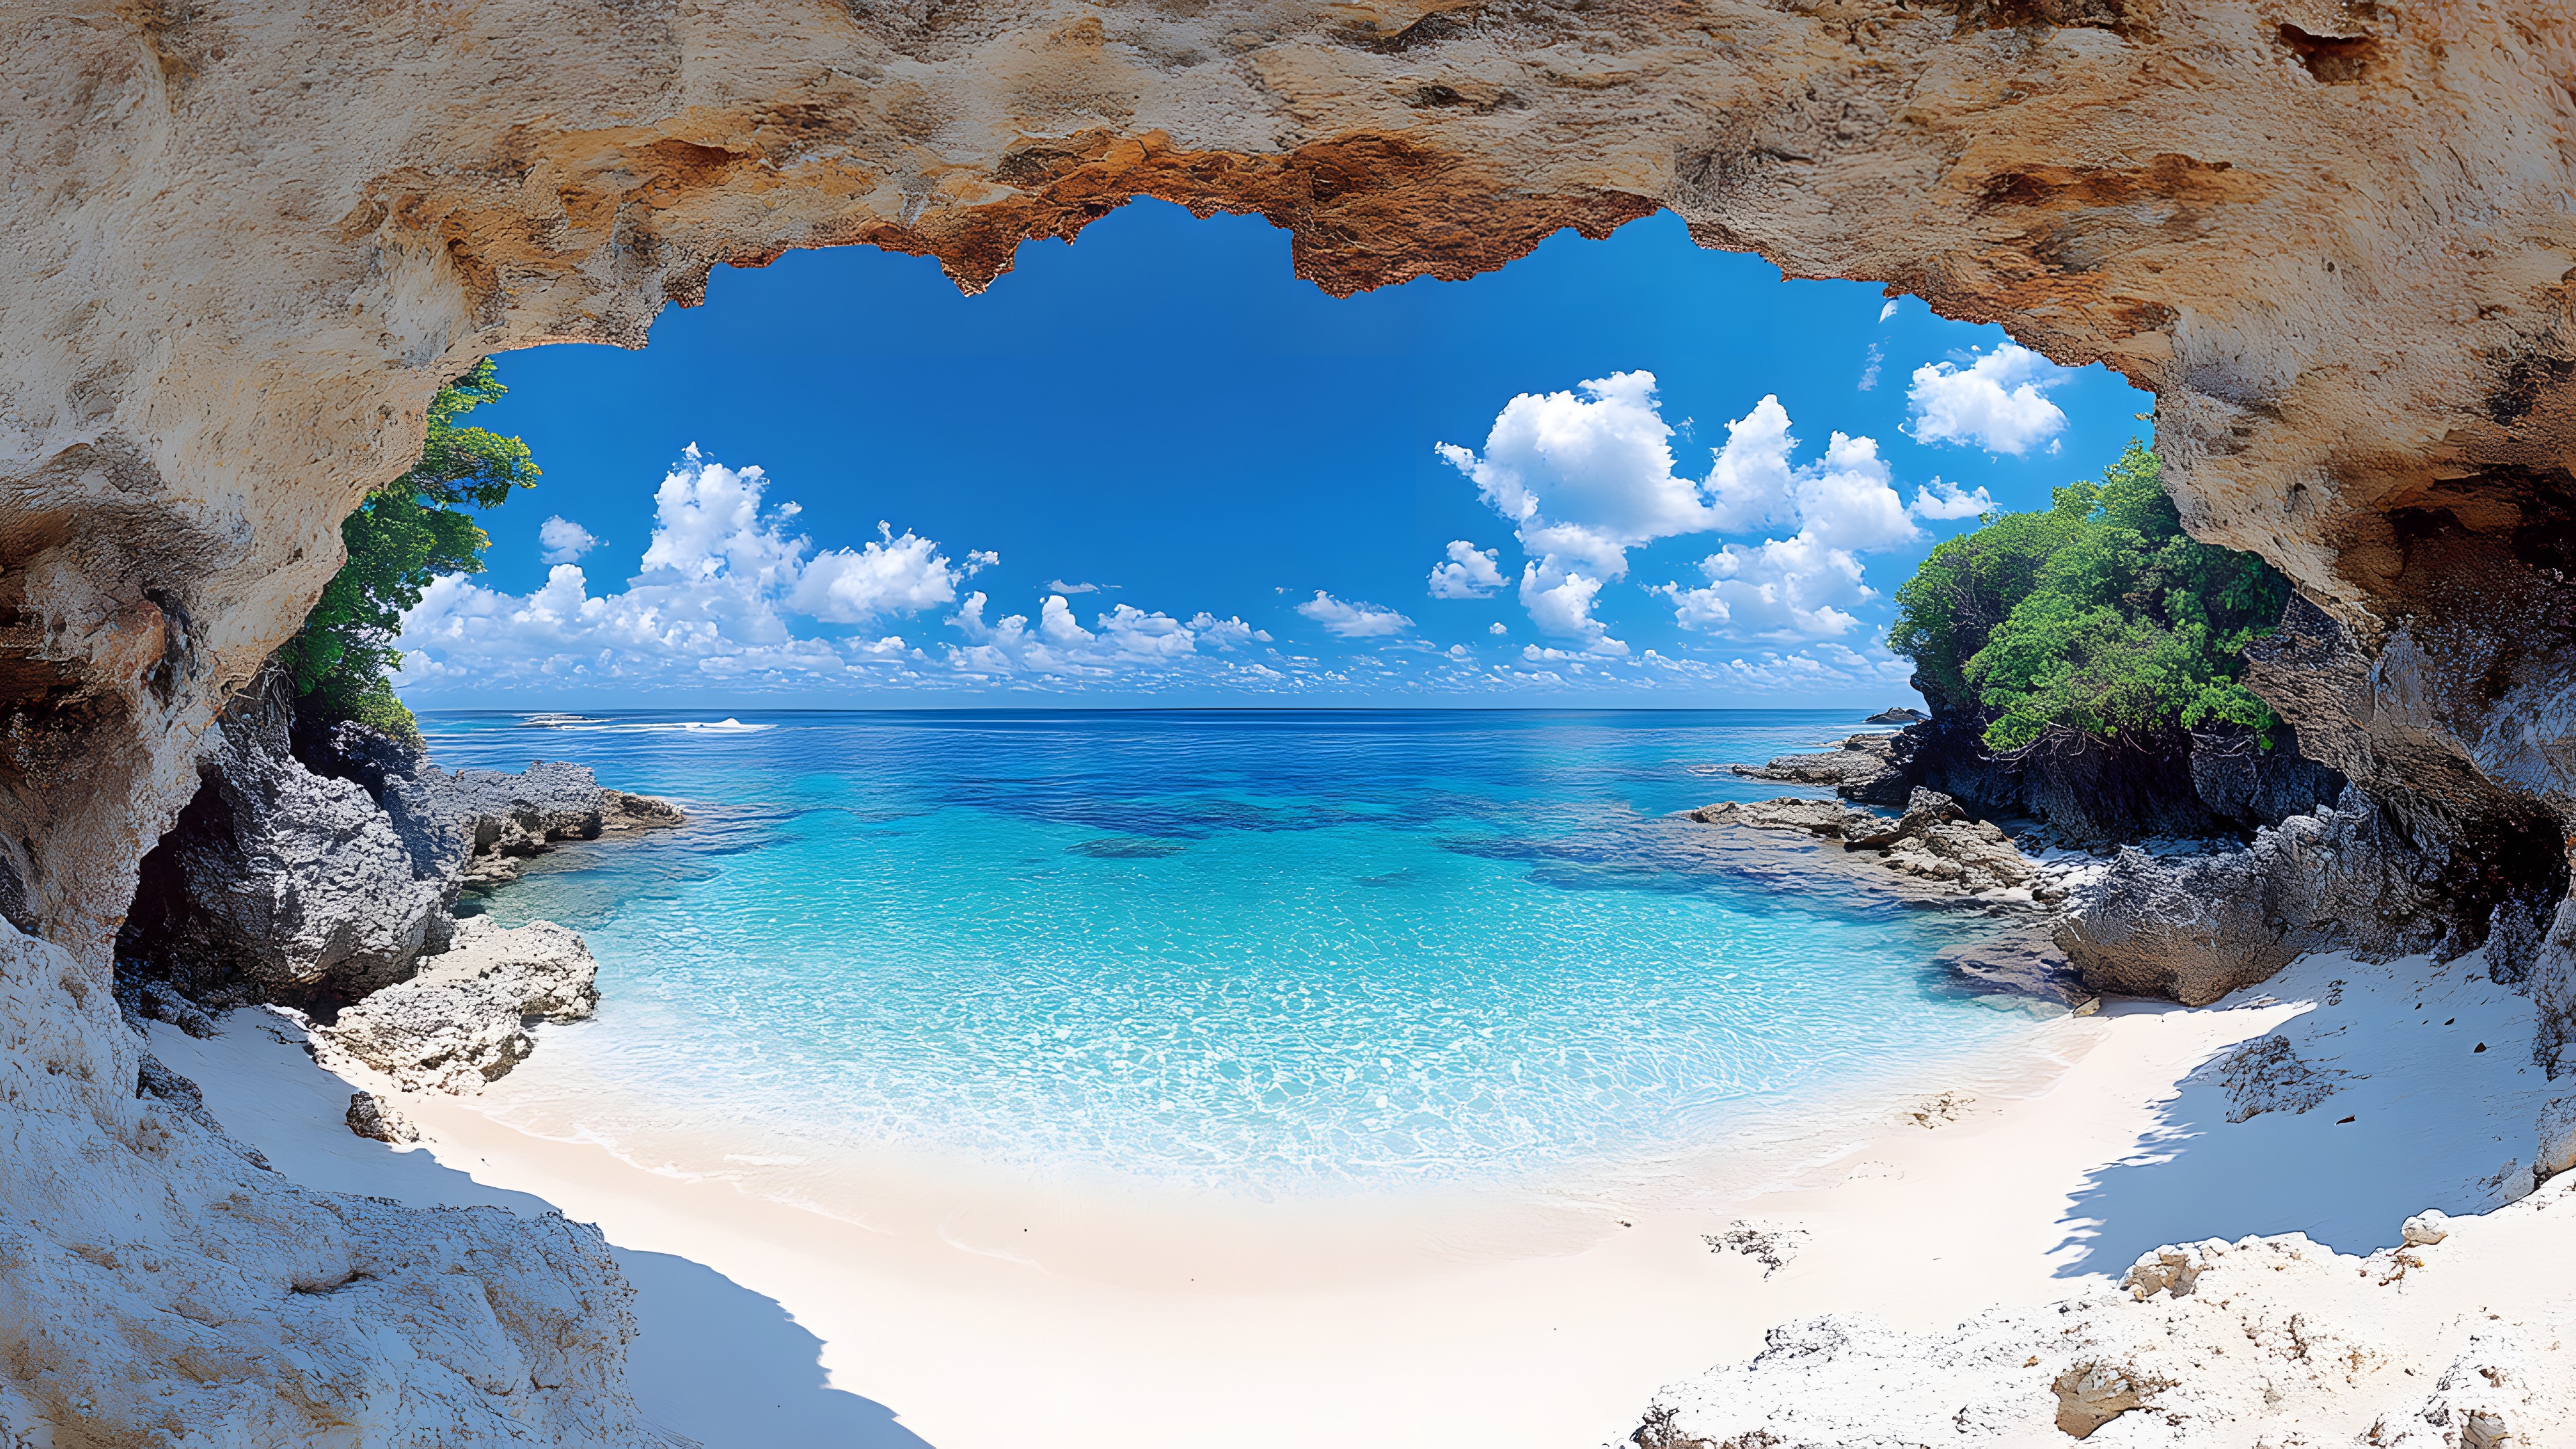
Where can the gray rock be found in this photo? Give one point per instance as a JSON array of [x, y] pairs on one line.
[[1899, 714], [2557, 1150], [2266, 1075], [2425, 1229], [316, 869], [2196, 928], [474, 827], [162, 1002], [2550, 981], [276, 876], [371, 1116], [463, 1021], [1830, 819], [1931, 841], [1860, 768], [2022, 962]]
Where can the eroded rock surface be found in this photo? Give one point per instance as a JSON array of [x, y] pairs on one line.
[[2194, 928], [158, 1287], [1933, 840], [315, 886], [463, 1020], [1860, 769], [281, 878], [2260, 1341]]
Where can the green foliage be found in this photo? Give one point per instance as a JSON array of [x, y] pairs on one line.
[[404, 535], [2098, 615]]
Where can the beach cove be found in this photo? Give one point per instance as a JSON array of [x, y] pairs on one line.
[[987, 1299]]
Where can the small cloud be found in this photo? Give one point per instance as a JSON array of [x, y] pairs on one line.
[[1059, 586], [1470, 573], [1226, 633], [1998, 402], [1889, 310], [1352, 620], [1496, 628], [1939, 499], [1869, 372], [564, 541], [980, 560]]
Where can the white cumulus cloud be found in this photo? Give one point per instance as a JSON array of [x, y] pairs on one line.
[[1470, 573], [1347, 620], [1999, 402], [1226, 633], [1943, 500], [1804, 586], [889, 576], [563, 540]]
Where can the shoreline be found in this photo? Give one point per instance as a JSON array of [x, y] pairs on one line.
[[973, 1345], [898, 1299]]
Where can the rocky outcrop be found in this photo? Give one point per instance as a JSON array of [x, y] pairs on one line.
[[2085, 792], [463, 1020], [279, 880], [2442, 1343], [1933, 840], [315, 867], [1861, 768], [2193, 928], [158, 1287]]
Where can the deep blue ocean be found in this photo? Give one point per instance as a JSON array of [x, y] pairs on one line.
[[1274, 951]]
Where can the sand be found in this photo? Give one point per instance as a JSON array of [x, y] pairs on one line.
[[1516, 1321]]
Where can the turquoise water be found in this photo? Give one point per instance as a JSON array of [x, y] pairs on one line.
[[1281, 952]]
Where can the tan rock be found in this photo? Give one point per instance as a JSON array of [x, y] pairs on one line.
[[462, 1022]]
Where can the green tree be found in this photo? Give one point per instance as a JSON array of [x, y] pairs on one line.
[[405, 534], [2098, 615]]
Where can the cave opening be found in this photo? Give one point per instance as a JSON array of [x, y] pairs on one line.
[[1222, 480]]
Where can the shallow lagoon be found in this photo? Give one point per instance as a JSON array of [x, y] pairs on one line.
[[1301, 953]]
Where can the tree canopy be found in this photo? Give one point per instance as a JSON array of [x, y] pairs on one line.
[[2097, 615], [404, 535]]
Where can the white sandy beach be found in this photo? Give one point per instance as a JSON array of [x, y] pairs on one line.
[[765, 1324]]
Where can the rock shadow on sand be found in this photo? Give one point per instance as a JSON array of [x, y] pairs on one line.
[[713, 1363], [2358, 1096]]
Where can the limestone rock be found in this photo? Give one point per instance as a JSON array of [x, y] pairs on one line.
[[461, 1022], [1931, 841], [1859, 769], [373, 1117], [2265, 1075], [475, 827], [2195, 928], [1825, 818], [278, 877], [136, 1239], [2258, 1341], [2425, 1229], [2557, 1150], [1898, 714]]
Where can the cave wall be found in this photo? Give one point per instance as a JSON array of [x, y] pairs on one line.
[[242, 242]]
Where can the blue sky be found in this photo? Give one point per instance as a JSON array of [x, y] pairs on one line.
[[1155, 468]]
